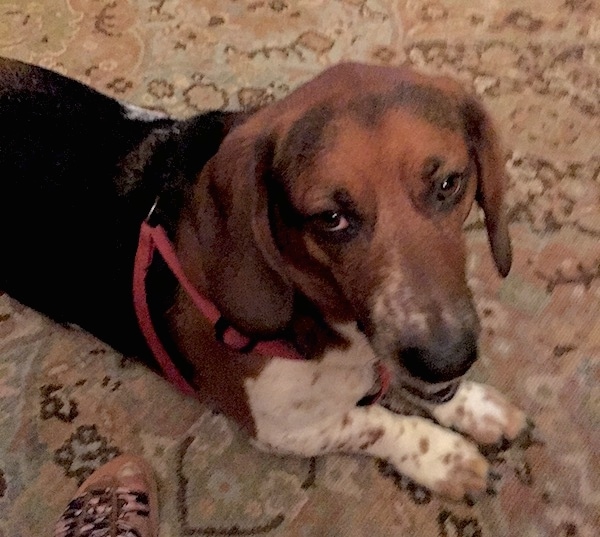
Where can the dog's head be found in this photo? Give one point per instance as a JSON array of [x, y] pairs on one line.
[[353, 191]]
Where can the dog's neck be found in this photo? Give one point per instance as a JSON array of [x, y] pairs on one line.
[[159, 173]]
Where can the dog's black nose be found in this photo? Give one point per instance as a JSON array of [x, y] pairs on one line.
[[441, 361]]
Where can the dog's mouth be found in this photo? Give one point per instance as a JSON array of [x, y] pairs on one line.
[[433, 393], [437, 397]]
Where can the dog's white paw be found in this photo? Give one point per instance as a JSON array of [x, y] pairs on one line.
[[467, 472], [446, 463], [481, 412]]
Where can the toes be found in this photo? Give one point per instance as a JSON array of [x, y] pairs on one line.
[[525, 438], [467, 479], [516, 423], [506, 430]]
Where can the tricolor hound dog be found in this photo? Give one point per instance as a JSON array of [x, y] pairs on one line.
[[330, 221]]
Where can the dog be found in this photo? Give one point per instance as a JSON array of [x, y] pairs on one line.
[[322, 235]]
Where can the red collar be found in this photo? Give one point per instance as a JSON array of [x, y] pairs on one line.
[[154, 239]]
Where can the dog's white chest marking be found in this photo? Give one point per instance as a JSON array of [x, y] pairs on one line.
[[309, 408], [290, 394]]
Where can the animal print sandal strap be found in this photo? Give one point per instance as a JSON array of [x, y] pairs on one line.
[[118, 500]]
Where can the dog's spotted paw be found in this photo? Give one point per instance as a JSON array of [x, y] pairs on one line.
[[446, 463], [482, 413], [467, 473]]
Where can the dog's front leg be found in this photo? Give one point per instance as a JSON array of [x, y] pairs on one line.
[[308, 410]]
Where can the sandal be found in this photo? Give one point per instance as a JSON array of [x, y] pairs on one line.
[[118, 500]]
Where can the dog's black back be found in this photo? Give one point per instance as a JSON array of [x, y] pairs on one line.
[[78, 174]]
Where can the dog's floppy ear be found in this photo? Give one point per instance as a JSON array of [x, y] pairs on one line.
[[243, 267], [492, 180]]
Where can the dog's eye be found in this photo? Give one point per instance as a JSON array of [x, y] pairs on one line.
[[332, 221], [445, 186], [448, 190], [449, 186]]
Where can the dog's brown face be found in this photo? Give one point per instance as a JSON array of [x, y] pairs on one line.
[[353, 191]]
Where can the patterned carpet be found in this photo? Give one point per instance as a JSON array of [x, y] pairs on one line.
[[68, 403]]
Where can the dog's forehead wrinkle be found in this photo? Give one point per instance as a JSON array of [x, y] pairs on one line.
[[429, 103], [432, 164], [305, 138]]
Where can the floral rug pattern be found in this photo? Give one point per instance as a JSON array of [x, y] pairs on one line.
[[69, 403]]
